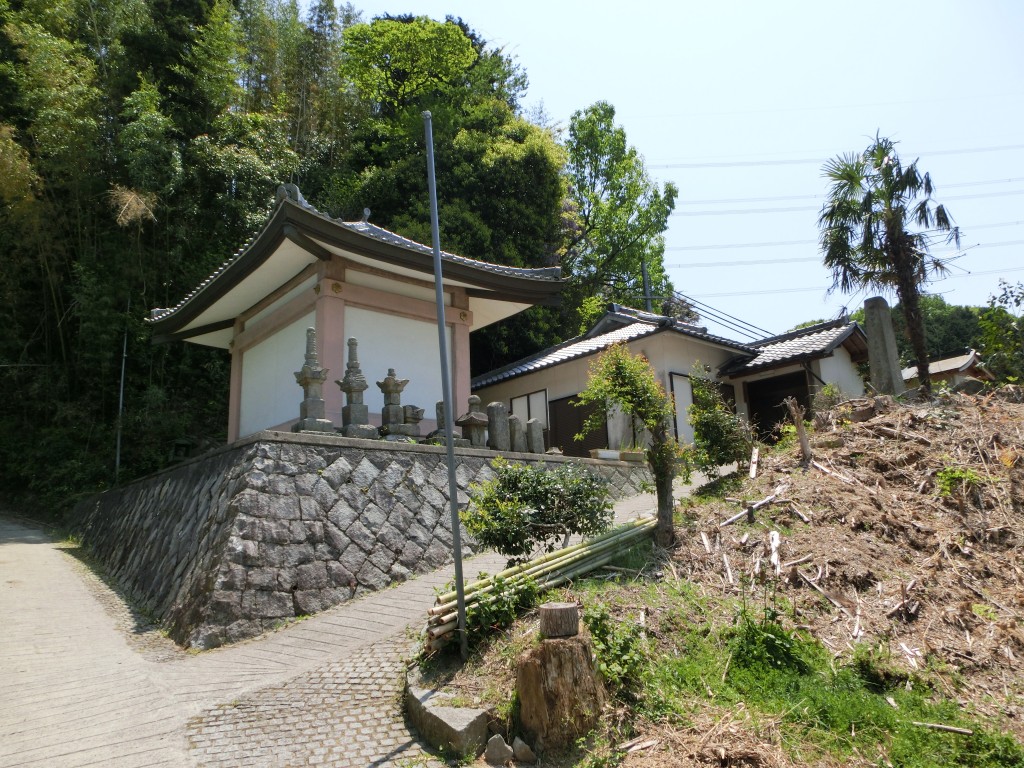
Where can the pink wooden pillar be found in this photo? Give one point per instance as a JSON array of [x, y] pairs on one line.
[[459, 318], [330, 333], [235, 387]]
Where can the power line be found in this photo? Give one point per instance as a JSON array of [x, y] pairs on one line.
[[723, 317], [819, 288], [745, 263], [740, 211], [760, 293], [820, 161], [777, 243], [799, 259], [774, 198], [730, 246]]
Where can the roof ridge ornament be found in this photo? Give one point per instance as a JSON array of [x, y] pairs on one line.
[[293, 193]]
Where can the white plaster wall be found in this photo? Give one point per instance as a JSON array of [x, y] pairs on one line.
[[409, 346], [683, 393], [270, 396], [668, 352], [841, 371]]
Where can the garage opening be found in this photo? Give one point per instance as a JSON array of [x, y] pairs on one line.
[[764, 402]]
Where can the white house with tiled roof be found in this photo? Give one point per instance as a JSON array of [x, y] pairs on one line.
[[751, 374], [305, 269], [951, 370]]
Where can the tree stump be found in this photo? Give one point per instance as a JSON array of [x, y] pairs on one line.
[[560, 693], [559, 620]]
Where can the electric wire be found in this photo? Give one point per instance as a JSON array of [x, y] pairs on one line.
[[773, 198], [779, 243], [820, 161], [723, 318], [805, 208]]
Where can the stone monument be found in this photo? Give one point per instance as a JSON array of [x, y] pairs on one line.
[[355, 416], [883, 357], [312, 413], [517, 433], [498, 436], [474, 424], [392, 417]]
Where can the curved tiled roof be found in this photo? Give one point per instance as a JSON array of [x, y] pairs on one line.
[[294, 218], [387, 236], [805, 343]]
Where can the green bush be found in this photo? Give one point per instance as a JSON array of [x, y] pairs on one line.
[[527, 507], [499, 609], [719, 435], [620, 649]]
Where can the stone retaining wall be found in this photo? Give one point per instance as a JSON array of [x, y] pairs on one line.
[[276, 526]]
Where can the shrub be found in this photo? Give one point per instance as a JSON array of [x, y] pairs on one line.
[[527, 507], [719, 435], [620, 649], [499, 609]]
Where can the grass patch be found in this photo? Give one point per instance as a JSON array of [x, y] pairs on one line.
[[840, 711]]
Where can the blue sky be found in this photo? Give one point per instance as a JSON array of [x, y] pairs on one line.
[[740, 103]]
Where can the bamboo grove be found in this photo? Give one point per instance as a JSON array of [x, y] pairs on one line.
[[141, 142]]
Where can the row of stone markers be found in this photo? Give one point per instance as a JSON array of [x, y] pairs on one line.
[[496, 428]]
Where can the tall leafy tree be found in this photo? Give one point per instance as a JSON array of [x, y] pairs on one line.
[[949, 328], [1002, 333], [620, 380], [617, 214], [876, 227]]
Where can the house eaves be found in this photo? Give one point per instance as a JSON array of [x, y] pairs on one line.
[[803, 345], [585, 345]]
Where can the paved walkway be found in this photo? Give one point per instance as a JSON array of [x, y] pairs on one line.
[[86, 682]]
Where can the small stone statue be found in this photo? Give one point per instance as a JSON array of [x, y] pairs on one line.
[[474, 423], [393, 423], [312, 412], [355, 416]]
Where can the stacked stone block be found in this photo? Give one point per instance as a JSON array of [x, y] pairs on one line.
[[225, 547]]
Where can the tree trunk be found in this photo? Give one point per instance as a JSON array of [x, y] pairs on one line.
[[664, 533], [661, 457], [905, 265]]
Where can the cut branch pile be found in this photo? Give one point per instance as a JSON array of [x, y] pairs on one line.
[[546, 571], [903, 530]]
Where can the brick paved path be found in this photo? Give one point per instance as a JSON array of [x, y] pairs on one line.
[[84, 681]]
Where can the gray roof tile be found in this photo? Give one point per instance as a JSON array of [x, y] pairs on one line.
[[815, 340]]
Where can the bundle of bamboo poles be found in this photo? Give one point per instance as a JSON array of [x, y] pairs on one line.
[[547, 571]]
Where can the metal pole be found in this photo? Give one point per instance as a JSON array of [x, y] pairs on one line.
[[446, 391], [647, 285], [120, 399]]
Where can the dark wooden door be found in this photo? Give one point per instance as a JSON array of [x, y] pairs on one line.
[[566, 421]]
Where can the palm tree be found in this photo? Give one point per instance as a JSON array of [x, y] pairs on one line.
[[868, 236]]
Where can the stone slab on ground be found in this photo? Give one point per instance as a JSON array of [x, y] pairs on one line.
[[454, 730]]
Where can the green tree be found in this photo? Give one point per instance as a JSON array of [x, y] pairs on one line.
[[720, 437], [621, 380], [393, 62], [868, 236], [949, 328], [617, 216], [1002, 333], [526, 507]]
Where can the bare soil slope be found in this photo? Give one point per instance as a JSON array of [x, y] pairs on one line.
[[904, 533]]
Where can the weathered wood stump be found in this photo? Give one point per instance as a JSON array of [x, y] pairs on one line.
[[560, 693], [559, 620]]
